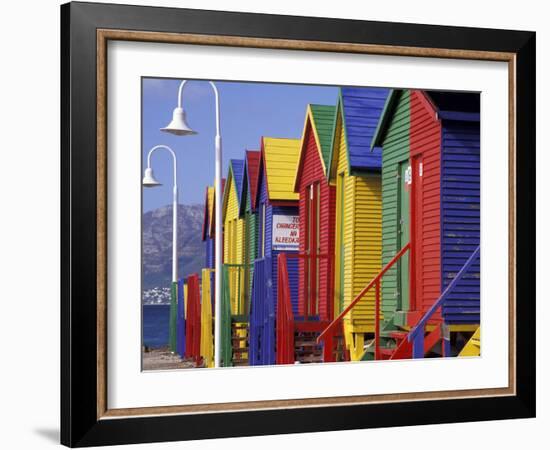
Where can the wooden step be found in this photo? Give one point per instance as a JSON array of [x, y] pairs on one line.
[[387, 351], [306, 344], [310, 359], [400, 335], [240, 350], [240, 362]]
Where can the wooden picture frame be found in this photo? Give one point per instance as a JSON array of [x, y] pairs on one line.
[[85, 417]]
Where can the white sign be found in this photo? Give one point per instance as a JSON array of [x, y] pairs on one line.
[[286, 232], [408, 175]]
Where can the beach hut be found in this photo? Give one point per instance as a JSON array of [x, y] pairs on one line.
[[234, 293], [317, 215], [193, 319], [209, 241], [430, 194], [207, 237], [277, 212], [181, 289], [208, 234], [249, 199], [316, 256], [355, 174], [206, 323]]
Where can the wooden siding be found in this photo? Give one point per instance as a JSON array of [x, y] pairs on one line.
[[280, 160], [251, 221], [425, 144], [209, 201], [210, 248], [461, 218], [212, 213], [234, 230], [348, 211], [210, 207], [312, 172], [360, 232], [367, 245], [252, 169], [396, 145], [272, 254]]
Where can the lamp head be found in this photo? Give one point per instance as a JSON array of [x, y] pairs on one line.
[[149, 178], [178, 126]]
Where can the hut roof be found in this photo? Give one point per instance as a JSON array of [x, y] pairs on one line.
[[360, 110], [252, 172], [234, 176], [463, 106], [279, 161], [321, 120]]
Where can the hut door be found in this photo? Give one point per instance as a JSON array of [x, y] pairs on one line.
[[403, 234], [312, 251]]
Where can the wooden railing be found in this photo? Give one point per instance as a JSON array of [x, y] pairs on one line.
[[376, 283], [238, 287], [416, 335], [285, 315], [225, 323]]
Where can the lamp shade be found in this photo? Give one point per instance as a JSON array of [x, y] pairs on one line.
[[149, 178], [178, 126]]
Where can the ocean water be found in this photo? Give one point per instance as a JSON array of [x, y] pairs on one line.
[[156, 319]]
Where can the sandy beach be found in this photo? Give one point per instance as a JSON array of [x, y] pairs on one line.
[[163, 359]]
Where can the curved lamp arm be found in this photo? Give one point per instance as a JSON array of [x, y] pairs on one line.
[[217, 98], [174, 221], [156, 147]]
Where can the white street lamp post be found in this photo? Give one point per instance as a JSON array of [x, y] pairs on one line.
[[150, 181], [179, 127]]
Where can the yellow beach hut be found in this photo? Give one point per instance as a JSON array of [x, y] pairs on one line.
[[235, 296], [356, 173]]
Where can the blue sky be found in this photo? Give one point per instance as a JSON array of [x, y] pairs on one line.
[[248, 112]]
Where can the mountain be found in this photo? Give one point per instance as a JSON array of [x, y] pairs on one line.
[[156, 229]]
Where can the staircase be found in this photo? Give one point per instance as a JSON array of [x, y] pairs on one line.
[[392, 342], [235, 341], [298, 336], [306, 348], [395, 344], [239, 343]]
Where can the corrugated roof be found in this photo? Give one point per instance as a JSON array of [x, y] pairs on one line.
[[361, 110], [252, 169], [280, 158]]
